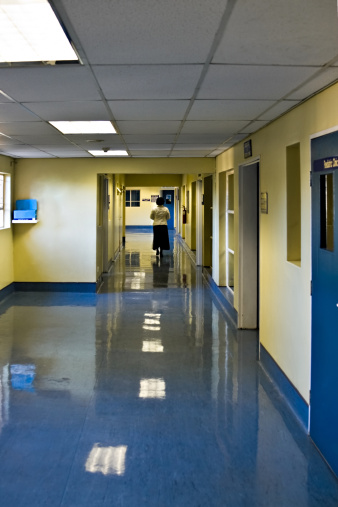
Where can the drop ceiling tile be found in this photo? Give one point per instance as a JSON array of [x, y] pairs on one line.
[[11, 112], [200, 146], [95, 140], [148, 109], [326, 78], [49, 83], [201, 138], [148, 127], [147, 81], [151, 31], [4, 98], [63, 152], [25, 152], [91, 110], [52, 140], [149, 139], [19, 128], [216, 153], [278, 109], [304, 32], [189, 153], [252, 82], [8, 141], [150, 153], [254, 126], [224, 128], [228, 109], [149, 147]]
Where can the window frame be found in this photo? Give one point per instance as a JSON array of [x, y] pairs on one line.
[[131, 201], [5, 210]]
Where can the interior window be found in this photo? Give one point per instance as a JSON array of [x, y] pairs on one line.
[[326, 212]]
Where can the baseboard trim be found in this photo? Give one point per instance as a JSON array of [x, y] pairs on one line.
[[222, 300], [294, 399], [80, 287], [6, 291]]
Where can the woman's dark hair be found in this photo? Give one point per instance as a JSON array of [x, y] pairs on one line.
[[159, 201]]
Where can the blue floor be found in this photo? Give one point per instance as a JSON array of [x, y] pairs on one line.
[[145, 396]]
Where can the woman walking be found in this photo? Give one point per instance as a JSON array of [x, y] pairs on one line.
[[160, 215]]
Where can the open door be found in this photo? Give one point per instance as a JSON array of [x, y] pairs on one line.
[[324, 358], [248, 246]]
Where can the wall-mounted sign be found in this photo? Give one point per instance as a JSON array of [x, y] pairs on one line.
[[247, 149], [154, 197], [264, 202], [325, 164], [146, 200]]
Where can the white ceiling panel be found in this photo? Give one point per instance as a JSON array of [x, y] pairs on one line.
[[149, 139], [190, 147], [49, 83], [8, 141], [147, 81], [148, 109], [25, 152], [201, 138], [150, 153], [278, 109], [252, 82], [224, 128], [151, 31], [324, 79], [148, 147], [68, 111], [94, 139], [288, 32], [10, 112], [64, 152], [26, 128], [255, 125], [148, 127], [189, 153], [42, 140], [4, 98], [228, 109]]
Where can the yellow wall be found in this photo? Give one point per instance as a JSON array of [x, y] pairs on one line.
[[285, 303], [6, 235]]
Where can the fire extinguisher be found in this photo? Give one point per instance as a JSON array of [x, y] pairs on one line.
[[184, 215]]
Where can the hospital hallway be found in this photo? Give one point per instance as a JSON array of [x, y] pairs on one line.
[[145, 395]]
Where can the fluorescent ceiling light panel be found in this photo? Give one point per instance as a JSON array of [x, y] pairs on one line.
[[84, 127], [30, 32], [109, 153]]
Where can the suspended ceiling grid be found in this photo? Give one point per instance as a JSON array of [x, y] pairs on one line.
[[179, 78]]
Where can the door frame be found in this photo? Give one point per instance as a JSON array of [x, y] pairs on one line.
[[248, 252]]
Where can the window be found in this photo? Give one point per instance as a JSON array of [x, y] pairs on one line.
[[133, 198], [326, 212], [293, 204], [5, 201]]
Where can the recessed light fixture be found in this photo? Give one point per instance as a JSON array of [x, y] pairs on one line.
[[84, 127], [31, 32], [109, 153]]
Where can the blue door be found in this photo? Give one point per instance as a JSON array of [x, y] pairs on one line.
[[324, 368], [169, 202]]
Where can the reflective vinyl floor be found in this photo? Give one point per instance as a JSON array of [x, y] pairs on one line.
[[145, 395]]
